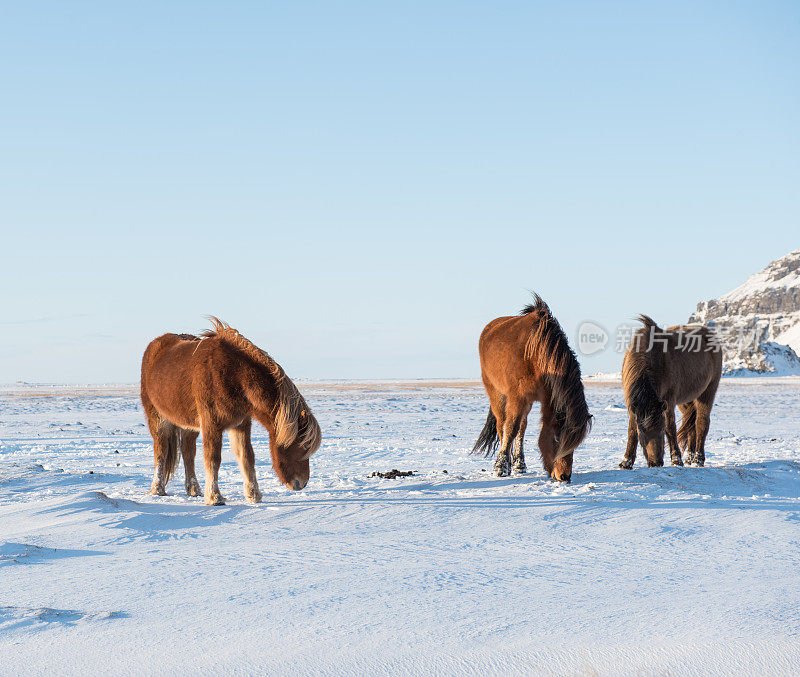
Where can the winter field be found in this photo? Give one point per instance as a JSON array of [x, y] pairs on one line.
[[651, 571]]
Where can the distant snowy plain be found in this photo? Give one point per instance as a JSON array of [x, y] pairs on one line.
[[651, 571]]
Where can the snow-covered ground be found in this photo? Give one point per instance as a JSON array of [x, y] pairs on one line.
[[650, 571]]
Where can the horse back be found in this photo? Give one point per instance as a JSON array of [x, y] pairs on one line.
[[685, 367], [696, 367], [502, 351]]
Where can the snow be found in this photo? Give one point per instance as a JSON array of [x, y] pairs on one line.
[[771, 358], [791, 338], [604, 376], [651, 571]]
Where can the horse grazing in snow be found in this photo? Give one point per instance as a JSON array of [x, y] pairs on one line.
[[215, 382], [661, 369], [524, 359]]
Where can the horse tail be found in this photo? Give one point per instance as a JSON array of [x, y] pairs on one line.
[[687, 426], [548, 349], [637, 382], [488, 440], [644, 401], [172, 455]]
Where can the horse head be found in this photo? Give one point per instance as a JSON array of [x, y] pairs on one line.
[[291, 460]]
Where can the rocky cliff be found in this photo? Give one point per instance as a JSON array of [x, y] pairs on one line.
[[758, 323]]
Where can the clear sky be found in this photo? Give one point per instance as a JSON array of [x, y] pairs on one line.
[[360, 187]]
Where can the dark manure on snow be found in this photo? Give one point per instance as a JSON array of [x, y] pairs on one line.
[[392, 474]]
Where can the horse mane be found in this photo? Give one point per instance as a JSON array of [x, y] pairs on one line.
[[538, 305], [290, 406], [547, 347], [637, 376]]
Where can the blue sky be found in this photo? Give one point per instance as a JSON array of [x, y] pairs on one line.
[[360, 187]]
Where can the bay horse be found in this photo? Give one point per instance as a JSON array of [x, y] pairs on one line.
[[524, 359], [215, 382], [679, 366]]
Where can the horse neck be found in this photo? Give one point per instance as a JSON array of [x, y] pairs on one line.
[[561, 385], [267, 419], [262, 393]]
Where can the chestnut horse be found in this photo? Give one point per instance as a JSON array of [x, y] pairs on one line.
[[524, 359], [661, 369], [215, 382]]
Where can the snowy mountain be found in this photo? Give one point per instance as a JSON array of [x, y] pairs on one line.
[[759, 321]]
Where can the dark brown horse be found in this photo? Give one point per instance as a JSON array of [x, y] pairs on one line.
[[525, 359], [215, 382], [661, 369]]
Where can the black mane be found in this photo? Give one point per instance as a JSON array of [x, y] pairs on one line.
[[538, 305]]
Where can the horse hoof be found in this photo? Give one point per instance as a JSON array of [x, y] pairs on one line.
[[502, 472], [215, 500], [255, 498], [520, 469], [678, 462], [626, 465], [194, 491], [157, 491]]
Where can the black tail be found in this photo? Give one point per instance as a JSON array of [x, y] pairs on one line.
[[687, 427], [637, 379], [488, 441], [645, 403]]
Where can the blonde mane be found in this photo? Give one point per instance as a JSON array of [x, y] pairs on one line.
[[291, 405]]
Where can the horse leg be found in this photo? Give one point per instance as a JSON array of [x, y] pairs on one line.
[[212, 457], [156, 426], [497, 403], [188, 451], [633, 441], [703, 406], [519, 455], [165, 441], [703, 423], [243, 449], [687, 434], [502, 465], [163, 438], [672, 437]]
